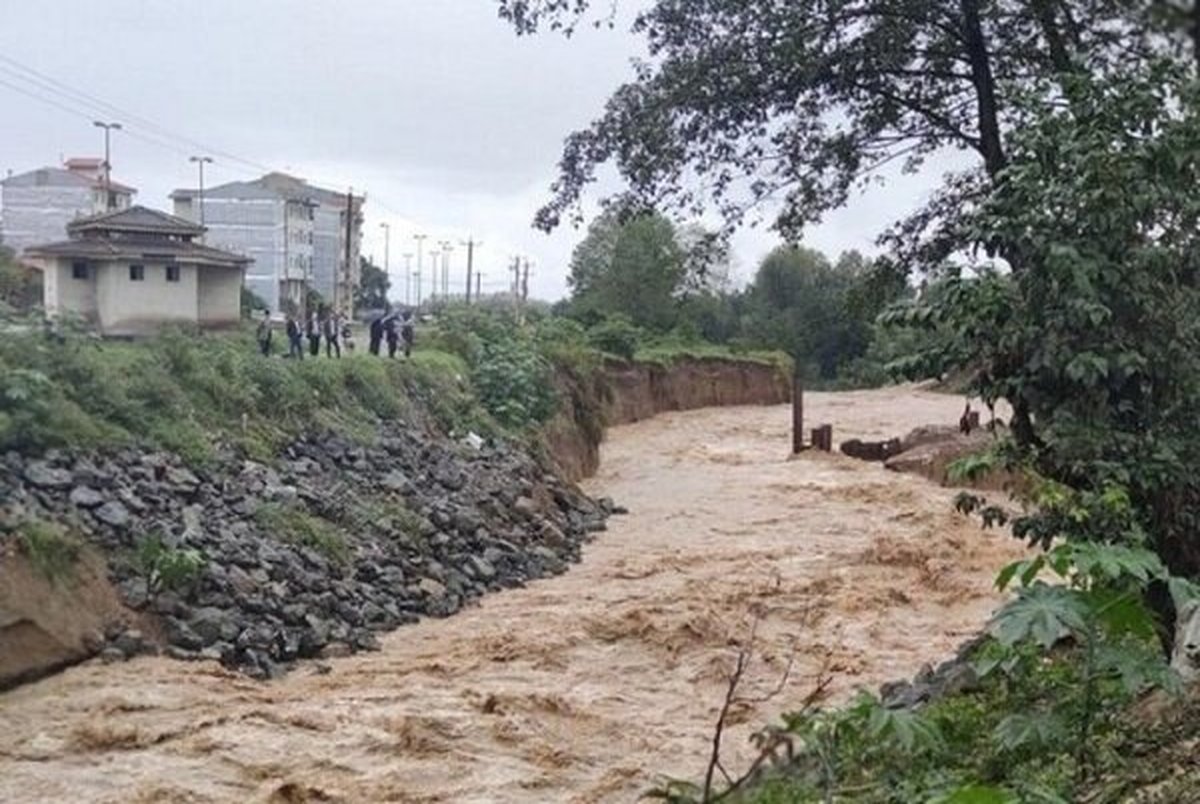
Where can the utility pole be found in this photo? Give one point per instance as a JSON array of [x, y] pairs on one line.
[[446, 249], [433, 275], [525, 282], [470, 244], [200, 162], [387, 245], [346, 307], [420, 238], [109, 201], [408, 279], [478, 284]]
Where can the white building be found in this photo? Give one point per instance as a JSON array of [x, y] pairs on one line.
[[128, 272], [295, 233], [36, 206]]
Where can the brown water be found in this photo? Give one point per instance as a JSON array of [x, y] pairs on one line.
[[587, 687]]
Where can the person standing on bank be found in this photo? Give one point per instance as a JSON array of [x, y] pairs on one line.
[[375, 335], [263, 334], [408, 333], [295, 347], [313, 331], [392, 331], [331, 327]]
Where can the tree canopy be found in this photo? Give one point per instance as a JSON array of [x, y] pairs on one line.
[[800, 102]]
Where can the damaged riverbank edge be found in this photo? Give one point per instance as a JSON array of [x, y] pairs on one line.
[[315, 550]]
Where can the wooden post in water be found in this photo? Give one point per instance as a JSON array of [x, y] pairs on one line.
[[822, 438], [797, 413]]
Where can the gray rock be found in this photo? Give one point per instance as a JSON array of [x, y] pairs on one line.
[[435, 589], [112, 654], [43, 475], [113, 513], [394, 481], [481, 567], [85, 497], [213, 625]]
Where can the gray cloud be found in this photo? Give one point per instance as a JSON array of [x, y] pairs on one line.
[[450, 122]]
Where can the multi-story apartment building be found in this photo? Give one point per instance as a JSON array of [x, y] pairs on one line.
[[36, 206], [295, 232]]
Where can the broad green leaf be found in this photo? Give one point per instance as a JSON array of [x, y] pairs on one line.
[[1041, 613]]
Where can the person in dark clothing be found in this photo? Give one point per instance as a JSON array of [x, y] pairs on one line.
[[331, 328], [294, 334], [376, 335], [264, 334], [408, 333], [313, 330], [391, 330]]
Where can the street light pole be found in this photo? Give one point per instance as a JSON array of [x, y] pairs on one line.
[[200, 162], [108, 129], [446, 249], [408, 278], [387, 245], [420, 238]]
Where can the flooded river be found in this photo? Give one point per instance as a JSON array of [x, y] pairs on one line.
[[588, 687]]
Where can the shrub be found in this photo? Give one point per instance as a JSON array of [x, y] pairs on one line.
[[164, 567], [50, 549], [292, 523], [513, 381], [617, 335]]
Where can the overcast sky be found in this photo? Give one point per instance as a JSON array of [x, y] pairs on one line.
[[450, 123]]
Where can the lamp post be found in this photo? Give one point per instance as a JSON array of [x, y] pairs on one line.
[[200, 161], [108, 129], [387, 246], [420, 238], [408, 278], [446, 249]]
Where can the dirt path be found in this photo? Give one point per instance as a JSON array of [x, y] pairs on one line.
[[586, 687]]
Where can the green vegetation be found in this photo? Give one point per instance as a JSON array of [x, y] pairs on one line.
[[1058, 274], [647, 290], [291, 523], [166, 568], [50, 548]]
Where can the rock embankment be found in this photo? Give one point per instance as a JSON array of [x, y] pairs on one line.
[[310, 556]]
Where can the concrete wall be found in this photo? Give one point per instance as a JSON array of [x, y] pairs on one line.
[[62, 293], [250, 227], [127, 307], [220, 296], [35, 216]]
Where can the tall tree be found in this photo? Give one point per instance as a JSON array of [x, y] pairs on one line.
[[802, 101], [372, 290], [636, 268]]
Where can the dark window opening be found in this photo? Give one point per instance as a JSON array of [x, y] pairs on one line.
[[79, 270], [172, 273], [137, 273]]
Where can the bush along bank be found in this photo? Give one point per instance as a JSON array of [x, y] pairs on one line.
[[314, 555]]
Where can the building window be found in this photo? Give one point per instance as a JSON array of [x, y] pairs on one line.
[[137, 273], [79, 270], [172, 273]]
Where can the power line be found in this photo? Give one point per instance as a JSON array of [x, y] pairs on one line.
[[62, 89]]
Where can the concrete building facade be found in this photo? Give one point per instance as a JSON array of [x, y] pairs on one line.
[[36, 206], [128, 272], [295, 233]]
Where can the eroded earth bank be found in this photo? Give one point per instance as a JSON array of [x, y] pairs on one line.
[[589, 686]]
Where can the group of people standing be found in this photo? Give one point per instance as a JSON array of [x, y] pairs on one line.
[[395, 327], [332, 328]]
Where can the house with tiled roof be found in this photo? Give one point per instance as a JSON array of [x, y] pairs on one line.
[[37, 205], [130, 271]]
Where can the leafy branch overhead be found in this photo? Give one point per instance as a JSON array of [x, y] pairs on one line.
[[802, 102]]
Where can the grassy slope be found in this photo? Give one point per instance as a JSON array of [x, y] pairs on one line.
[[190, 394]]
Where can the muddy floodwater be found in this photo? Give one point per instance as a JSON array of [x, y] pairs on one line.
[[588, 687]]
